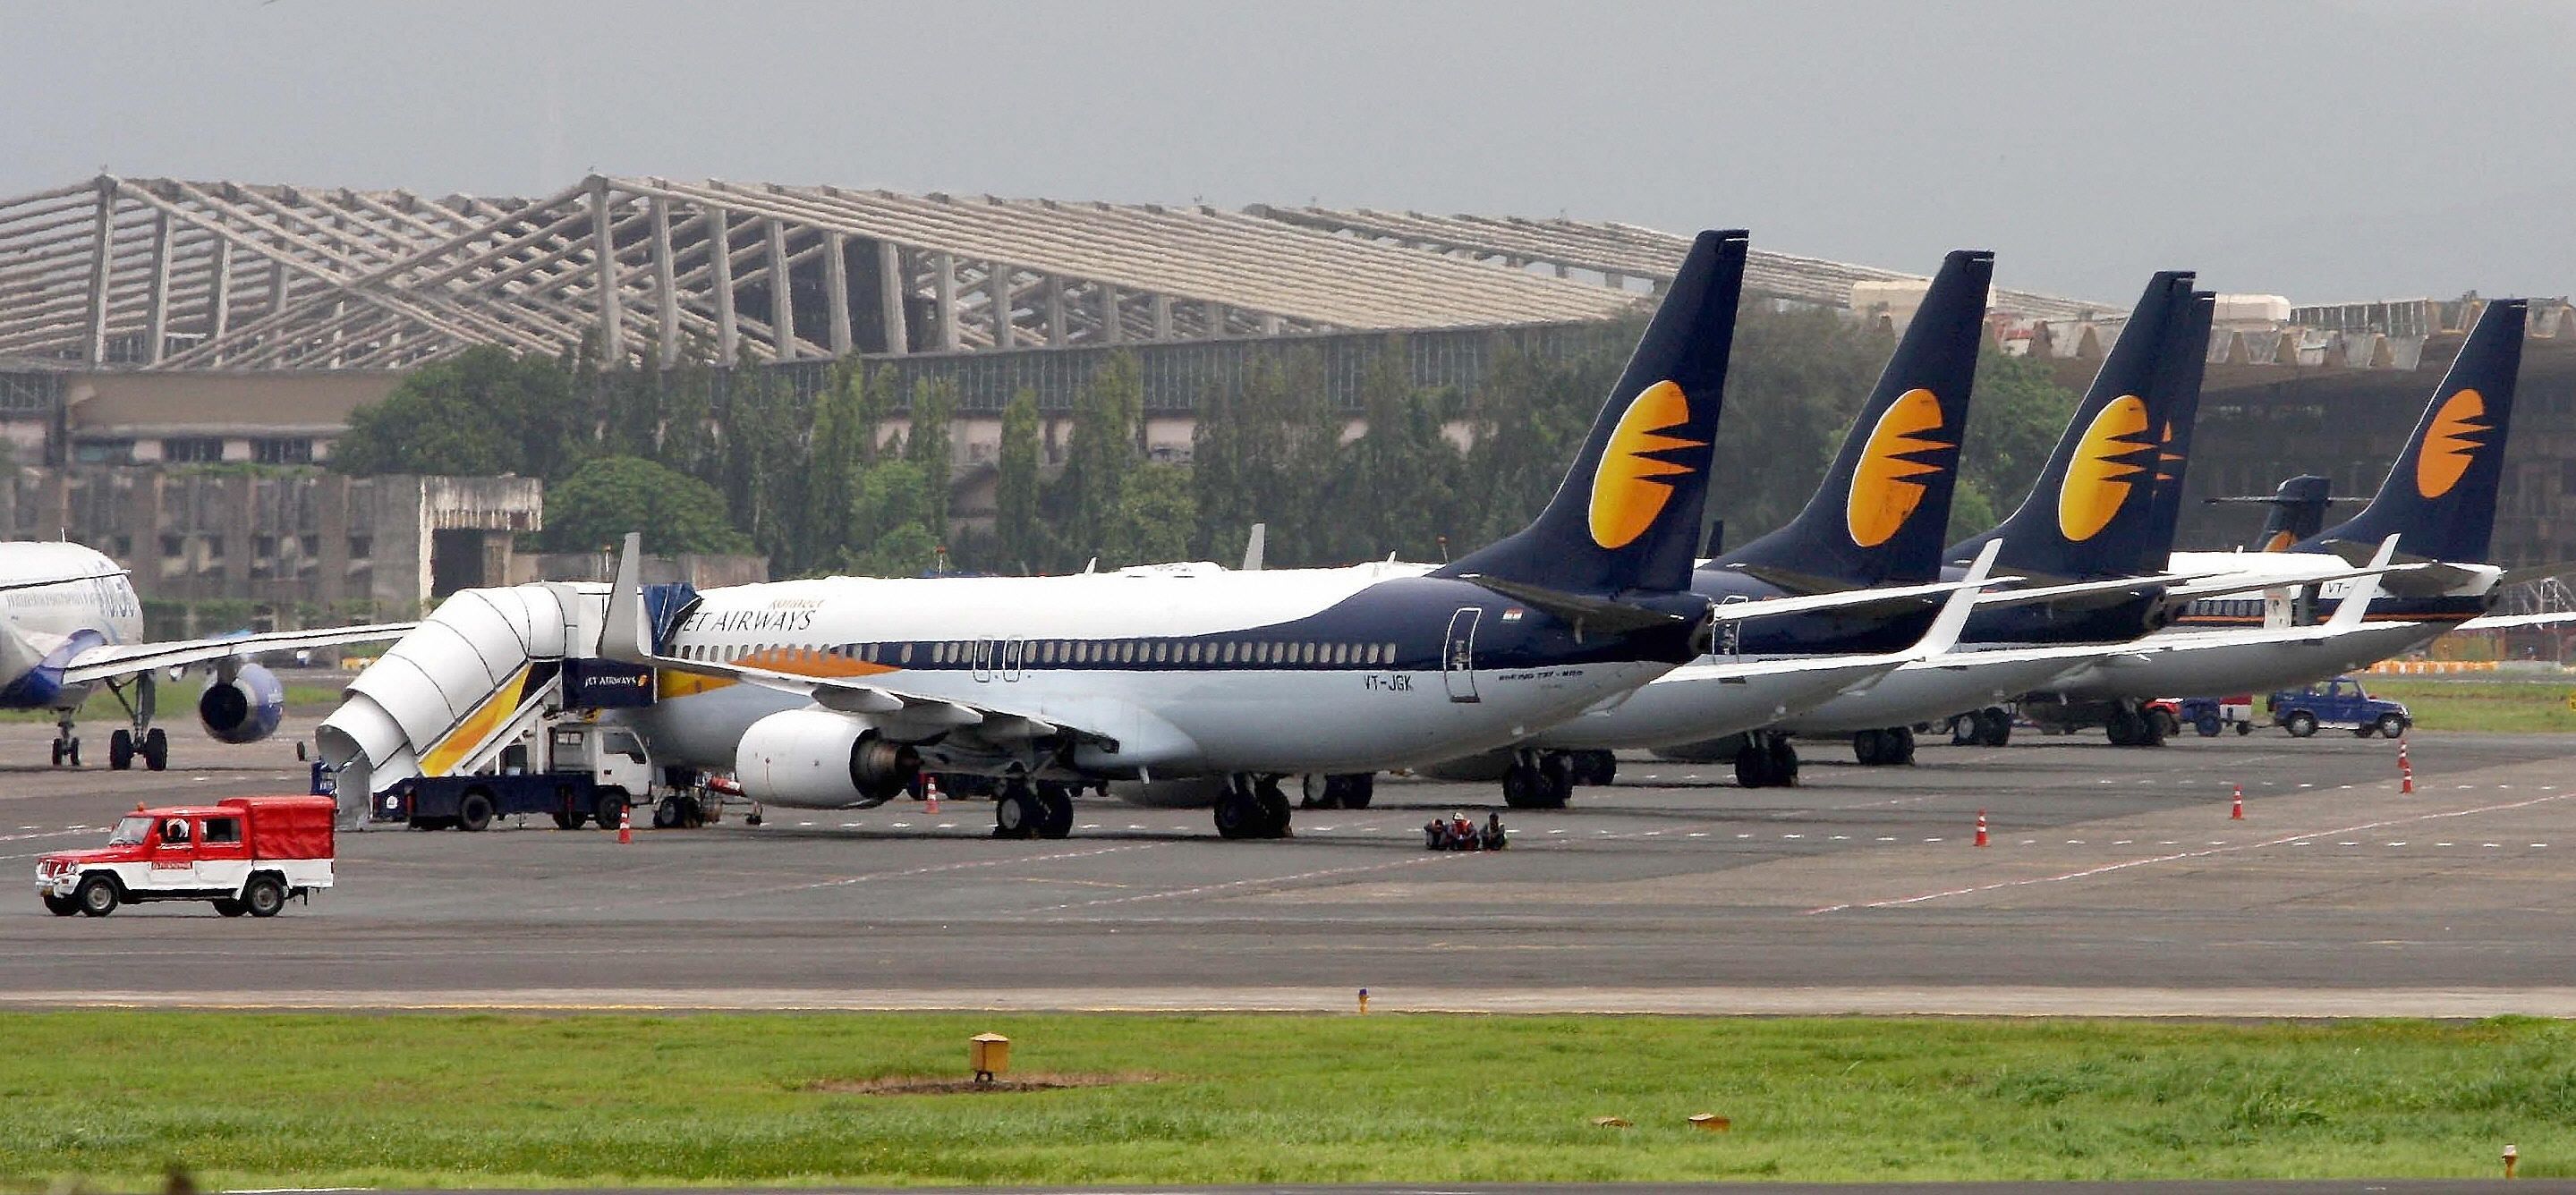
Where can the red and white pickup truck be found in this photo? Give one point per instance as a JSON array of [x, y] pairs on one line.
[[246, 855]]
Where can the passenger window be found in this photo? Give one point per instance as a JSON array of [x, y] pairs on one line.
[[906, 656], [1194, 653], [222, 831], [1229, 653], [1162, 652]]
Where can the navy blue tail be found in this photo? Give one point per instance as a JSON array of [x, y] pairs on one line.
[[1879, 516], [2298, 511], [2440, 499], [2178, 393], [1628, 513], [2092, 512]]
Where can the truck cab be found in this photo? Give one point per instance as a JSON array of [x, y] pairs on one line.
[[244, 855], [2340, 703]]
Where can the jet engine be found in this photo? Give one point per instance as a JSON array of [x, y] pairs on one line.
[[244, 709], [817, 759]]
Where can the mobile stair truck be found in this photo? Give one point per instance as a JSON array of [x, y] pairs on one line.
[[556, 759]]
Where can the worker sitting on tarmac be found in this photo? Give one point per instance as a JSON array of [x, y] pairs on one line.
[[1462, 832], [1493, 839], [1434, 834]]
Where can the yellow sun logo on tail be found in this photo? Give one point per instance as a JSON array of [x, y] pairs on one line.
[[1883, 492], [1626, 492], [2451, 443], [2098, 481]]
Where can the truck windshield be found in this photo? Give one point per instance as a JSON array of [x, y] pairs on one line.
[[131, 831]]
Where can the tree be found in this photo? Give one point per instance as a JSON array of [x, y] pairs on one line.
[[889, 521], [1394, 489], [1263, 452], [1018, 534], [1102, 450], [934, 409], [612, 495], [843, 444], [481, 413], [2014, 423], [1155, 517]]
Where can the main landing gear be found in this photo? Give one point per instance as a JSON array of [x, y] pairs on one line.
[[1988, 727], [1353, 790], [142, 739], [1538, 780], [1892, 747], [1767, 760], [1025, 810], [1251, 807], [2130, 726]]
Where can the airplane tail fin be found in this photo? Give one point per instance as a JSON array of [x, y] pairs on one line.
[[2186, 362], [1628, 513], [2441, 495], [2092, 512], [1879, 515], [2298, 511]]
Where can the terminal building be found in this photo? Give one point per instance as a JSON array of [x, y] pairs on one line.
[[218, 334]]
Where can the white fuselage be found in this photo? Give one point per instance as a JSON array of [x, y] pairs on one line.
[[88, 602], [1191, 670]]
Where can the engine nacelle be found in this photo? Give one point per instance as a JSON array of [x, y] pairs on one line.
[[817, 759], [244, 709]]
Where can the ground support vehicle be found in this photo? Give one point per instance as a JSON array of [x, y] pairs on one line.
[[2340, 704], [572, 770], [243, 855], [2210, 716]]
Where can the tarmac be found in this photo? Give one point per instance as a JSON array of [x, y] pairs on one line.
[[2115, 884]]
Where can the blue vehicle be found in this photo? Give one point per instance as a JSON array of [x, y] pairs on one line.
[[2340, 703]]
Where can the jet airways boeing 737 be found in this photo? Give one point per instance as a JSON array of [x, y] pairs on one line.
[[834, 693], [70, 622]]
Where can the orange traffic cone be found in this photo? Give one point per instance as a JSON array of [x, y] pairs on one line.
[[625, 825], [2237, 814], [930, 789], [2405, 770], [1981, 827]]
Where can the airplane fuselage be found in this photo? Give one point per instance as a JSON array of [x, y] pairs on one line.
[[1191, 670], [43, 626]]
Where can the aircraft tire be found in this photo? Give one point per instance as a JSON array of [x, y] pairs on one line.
[[1017, 812], [1055, 818], [155, 749], [120, 750]]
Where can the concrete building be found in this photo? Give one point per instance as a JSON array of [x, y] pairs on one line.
[[302, 544]]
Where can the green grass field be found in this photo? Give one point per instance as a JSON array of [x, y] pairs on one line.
[[2510, 707], [115, 1100]]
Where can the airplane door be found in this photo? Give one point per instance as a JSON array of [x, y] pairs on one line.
[[1012, 650], [983, 659], [1730, 641], [1458, 655]]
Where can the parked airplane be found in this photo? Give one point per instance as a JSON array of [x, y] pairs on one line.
[[1872, 533], [834, 693], [70, 623], [2440, 495]]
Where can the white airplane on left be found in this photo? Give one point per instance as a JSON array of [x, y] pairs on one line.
[[70, 622]]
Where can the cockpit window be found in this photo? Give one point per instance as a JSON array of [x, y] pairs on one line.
[[131, 832]]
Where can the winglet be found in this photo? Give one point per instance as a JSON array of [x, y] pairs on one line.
[[625, 634], [1252, 547], [1944, 633], [2357, 603]]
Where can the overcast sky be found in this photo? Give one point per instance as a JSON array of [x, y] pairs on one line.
[[2325, 151]]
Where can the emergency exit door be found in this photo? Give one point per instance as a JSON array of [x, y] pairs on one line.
[[1458, 657]]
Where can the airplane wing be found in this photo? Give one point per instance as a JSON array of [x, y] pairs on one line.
[[2388, 578], [2508, 622], [627, 636], [114, 660]]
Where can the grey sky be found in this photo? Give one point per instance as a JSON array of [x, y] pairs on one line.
[[2324, 151]]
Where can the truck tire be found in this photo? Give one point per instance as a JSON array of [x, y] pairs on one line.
[[567, 821], [96, 896], [61, 906], [2392, 725], [2300, 724], [230, 907], [2244, 728], [610, 808], [2207, 725], [474, 813], [264, 896]]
